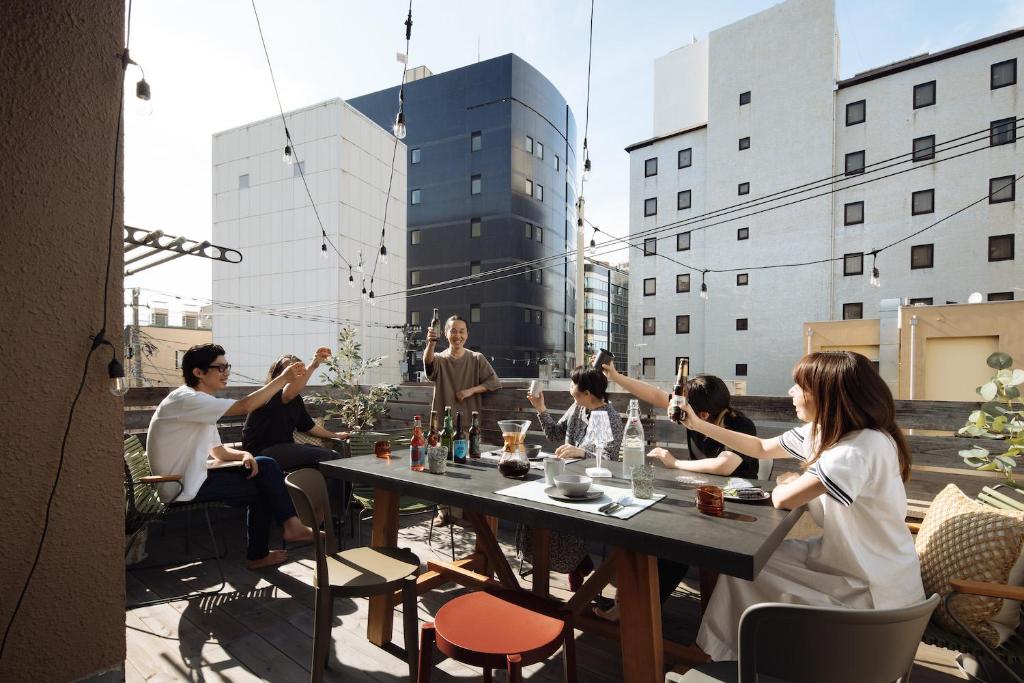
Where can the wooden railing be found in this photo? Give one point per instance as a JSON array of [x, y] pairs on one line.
[[930, 427]]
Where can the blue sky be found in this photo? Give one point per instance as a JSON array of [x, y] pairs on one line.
[[206, 67]]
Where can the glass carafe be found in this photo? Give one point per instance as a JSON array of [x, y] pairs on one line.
[[513, 463]]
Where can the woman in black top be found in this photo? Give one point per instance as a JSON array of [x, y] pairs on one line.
[[268, 430]]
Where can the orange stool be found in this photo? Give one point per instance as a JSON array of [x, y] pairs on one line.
[[483, 630]]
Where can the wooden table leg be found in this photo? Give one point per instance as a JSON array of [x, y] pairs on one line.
[[487, 543], [643, 655], [385, 535], [541, 561], [708, 579]]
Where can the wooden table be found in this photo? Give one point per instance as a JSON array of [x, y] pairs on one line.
[[737, 544]]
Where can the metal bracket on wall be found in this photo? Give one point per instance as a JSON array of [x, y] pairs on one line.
[[156, 241]]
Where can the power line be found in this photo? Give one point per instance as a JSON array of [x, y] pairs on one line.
[[290, 149]]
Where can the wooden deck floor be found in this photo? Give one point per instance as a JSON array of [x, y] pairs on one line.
[[258, 628]]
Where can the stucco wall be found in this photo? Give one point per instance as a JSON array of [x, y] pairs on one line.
[[61, 80]]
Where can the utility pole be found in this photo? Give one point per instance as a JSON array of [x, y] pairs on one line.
[[136, 346], [580, 326]]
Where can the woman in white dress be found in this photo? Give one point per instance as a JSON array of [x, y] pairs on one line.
[[854, 461]]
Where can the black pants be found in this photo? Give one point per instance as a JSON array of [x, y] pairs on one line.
[[669, 575]]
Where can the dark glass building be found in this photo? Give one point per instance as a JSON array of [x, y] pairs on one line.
[[491, 171]]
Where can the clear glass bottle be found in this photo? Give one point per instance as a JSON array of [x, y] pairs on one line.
[[633, 443]]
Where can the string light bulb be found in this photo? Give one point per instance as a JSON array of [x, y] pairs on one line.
[[383, 255], [143, 102], [586, 161], [593, 238], [703, 288], [399, 127], [875, 280], [370, 295], [323, 251], [118, 382], [287, 157], [359, 266], [351, 280]]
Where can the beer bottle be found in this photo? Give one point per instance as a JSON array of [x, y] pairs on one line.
[[675, 407], [417, 447], [433, 436], [448, 433], [474, 436], [460, 443], [435, 323]]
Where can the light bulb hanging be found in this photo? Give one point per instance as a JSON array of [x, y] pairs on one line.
[[323, 251], [118, 382], [703, 286], [143, 94], [351, 280], [287, 156], [586, 161], [370, 295], [593, 238], [359, 266], [875, 280], [399, 128], [383, 255]]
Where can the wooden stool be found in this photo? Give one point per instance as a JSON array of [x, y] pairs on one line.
[[483, 630]]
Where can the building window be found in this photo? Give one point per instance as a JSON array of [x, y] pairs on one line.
[[742, 279], [1000, 296], [855, 163], [682, 324], [243, 181], [1000, 248], [1004, 73], [538, 276], [685, 157], [529, 187], [1002, 132], [651, 167], [529, 144], [683, 200], [650, 286], [856, 112], [414, 237], [414, 277], [921, 301], [650, 326], [854, 311], [538, 317], [414, 317], [683, 241], [1001, 189], [475, 184], [924, 148], [538, 150], [922, 256], [528, 231], [744, 98], [741, 324], [474, 267], [476, 141], [414, 155], [474, 313], [527, 315], [853, 213], [538, 192], [683, 282], [648, 368], [742, 234], [650, 246], [743, 188], [651, 206], [922, 201], [538, 233], [741, 369], [179, 356], [416, 197], [474, 227], [853, 263], [924, 94], [744, 143]]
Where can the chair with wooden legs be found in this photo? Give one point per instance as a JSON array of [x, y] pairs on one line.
[[481, 629], [356, 572]]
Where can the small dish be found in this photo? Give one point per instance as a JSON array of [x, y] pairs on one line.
[[755, 494], [592, 494], [572, 485]]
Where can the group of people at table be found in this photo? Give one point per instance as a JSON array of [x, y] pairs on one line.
[[853, 457]]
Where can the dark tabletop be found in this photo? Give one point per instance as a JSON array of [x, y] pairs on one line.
[[737, 544]]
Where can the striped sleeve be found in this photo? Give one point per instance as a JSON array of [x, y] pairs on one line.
[[844, 469], [795, 442]]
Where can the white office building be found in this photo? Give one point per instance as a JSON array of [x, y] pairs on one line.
[[758, 108], [285, 297]]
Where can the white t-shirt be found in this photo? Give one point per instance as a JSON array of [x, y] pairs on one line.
[[181, 434], [863, 516]]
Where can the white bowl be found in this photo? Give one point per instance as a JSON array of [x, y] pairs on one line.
[[573, 485]]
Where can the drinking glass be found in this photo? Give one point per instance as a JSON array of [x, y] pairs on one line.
[[710, 500], [382, 449], [437, 459], [643, 480]]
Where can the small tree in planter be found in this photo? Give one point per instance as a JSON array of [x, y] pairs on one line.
[[1000, 417], [358, 410]]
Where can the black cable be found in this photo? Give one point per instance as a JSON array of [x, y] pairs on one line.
[[98, 339], [290, 144]]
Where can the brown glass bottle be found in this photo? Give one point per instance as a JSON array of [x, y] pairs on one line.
[[679, 392]]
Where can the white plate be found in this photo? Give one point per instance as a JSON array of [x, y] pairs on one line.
[[592, 494]]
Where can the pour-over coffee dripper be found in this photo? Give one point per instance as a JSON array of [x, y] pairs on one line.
[[513, 462]]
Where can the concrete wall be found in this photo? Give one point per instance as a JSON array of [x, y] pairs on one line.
[[681, 89], [860, 336], [61, 74]]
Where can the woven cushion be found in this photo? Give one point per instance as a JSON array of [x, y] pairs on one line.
[[964, 539]]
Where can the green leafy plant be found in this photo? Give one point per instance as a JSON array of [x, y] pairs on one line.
[[359, 408], [1001, 417]]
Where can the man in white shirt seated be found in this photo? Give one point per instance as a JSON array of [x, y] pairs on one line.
[[183, 435]]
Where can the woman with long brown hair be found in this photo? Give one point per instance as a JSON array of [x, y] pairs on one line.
[[854, 460]]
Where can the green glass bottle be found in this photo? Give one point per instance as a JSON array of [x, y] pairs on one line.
[[448, 433]]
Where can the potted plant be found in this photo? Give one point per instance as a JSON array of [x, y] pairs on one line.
[[1000, 417]]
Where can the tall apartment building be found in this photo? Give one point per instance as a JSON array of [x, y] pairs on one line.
[[605, 306], [491, 158], [757, 108], [293, 298]]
